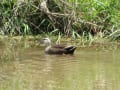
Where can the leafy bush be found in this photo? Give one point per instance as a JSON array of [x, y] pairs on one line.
[[66, 16]]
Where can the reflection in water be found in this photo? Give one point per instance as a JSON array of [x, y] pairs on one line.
[[88, 69]]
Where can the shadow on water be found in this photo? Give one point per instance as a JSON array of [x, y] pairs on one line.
[[88, 69]]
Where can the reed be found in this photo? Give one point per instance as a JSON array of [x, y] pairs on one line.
[[74, 18]]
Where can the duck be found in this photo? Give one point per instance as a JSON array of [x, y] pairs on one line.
[[57, 49]]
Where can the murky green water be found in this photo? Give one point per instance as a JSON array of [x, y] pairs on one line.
[[92, 68]]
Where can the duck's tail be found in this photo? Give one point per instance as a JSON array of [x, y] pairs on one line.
[[70, 49]]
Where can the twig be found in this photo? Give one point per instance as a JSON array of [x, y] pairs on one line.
[[65, 3]]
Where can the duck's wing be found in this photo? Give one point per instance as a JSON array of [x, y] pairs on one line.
[[54, 50], [59, 46], [69, 49], [59, 49]]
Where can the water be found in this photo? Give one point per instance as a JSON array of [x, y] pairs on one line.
[[90, 68]]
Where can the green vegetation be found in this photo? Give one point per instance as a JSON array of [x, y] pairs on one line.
[[76, 18], [83, 23]]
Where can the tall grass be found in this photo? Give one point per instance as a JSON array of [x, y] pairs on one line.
[[84, 16]]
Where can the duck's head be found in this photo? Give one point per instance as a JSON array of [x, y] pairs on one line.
[[46, 41]]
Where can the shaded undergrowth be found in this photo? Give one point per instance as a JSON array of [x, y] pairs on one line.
[[69, 18]]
